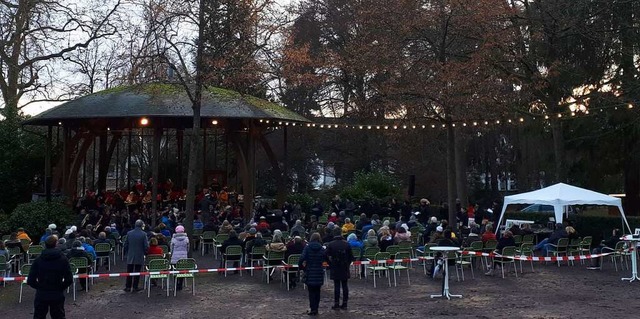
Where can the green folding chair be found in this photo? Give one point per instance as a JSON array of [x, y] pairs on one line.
[[24, 271], [156, 265], [185, 264]]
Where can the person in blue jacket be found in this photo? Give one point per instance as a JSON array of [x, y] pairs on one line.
[[313, 256]]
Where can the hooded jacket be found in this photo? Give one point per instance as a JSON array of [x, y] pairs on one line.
[[179, 247], [50, 275]]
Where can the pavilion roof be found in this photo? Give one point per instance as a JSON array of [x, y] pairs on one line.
[[162, 100]]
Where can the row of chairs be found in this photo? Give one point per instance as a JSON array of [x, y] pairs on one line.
[[157, 263]]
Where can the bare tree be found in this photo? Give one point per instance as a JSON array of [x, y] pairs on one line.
[[36, 33]]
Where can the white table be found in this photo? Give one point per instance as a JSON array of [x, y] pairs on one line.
[[634, 257], [445, 285]]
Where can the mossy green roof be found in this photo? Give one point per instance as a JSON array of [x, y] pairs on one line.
[[164, 100]]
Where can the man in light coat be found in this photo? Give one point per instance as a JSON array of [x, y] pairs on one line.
[[136, 246]]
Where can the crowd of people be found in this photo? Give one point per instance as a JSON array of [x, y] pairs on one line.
[[329, 237]]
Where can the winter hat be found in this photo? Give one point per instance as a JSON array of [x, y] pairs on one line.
[[74, 229], [68, 232], [252, 231], [439, 228], [330, 225], [434, 219], [180, 229], [52, 226], [405, 226], [352, 237]]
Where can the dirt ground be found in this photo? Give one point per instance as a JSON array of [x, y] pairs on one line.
[[549, 292]]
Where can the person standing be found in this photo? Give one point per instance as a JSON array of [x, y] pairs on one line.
[[340, 257], [135, 247], [50, 275], [311, 262]]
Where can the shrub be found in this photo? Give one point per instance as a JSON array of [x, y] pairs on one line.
[[305, 201], [372, 185], [36, 216]]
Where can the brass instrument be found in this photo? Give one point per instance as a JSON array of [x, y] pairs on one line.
[[98, 224], [84, 220]]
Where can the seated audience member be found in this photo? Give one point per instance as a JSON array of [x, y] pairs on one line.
[[154, 248], [553, 239], [606, 245], [353, 242], [348, 226], [505, 241], [445, 241], [233, 240], [371, 240], [298, 229], [488, 234], [474, 231], [78, 251], [525, 229], [402, 234], [385, 240]]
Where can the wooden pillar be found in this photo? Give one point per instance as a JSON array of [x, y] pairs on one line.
[[280, 182], [118, 166], [66, 146], [47, 165], [204, 156], [226, 157], [285, 157], [93, 165], [129, 161], [105, 158], [103, 162], [180, 146], [157, 136], [251, 164]]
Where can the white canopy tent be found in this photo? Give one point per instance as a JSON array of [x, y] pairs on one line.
[[561, 195]]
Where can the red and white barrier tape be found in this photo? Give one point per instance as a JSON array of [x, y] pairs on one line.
[[358, 262]]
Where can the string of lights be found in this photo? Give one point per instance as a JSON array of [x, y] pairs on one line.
[[433, 124]]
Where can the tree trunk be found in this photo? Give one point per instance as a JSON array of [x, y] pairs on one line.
[[461, 167], [558, 150], [194, 145], [451, 175], [157, 136]]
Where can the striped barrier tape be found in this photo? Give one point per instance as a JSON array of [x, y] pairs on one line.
[[356, 263]]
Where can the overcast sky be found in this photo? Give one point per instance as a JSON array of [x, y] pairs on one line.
[[37, 108]]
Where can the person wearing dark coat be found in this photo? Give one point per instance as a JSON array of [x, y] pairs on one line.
[[233, 240], [311, 262], [50, 276], [505, 241], [609, 244], [77, 251], [294, 247], [135, 247], [340, 257]]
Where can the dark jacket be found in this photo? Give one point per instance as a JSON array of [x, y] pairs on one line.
[[232, 241], [505, 242], [256, 242], [136, 246], [383, 243], [340, 257], [294, 248], [311, 262], [50, 275], [556, 235]]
